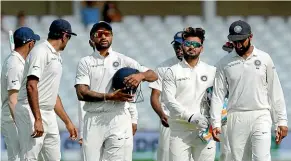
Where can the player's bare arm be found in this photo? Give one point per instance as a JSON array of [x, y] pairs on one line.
[[32, 95], [12, 97], [155, 102], [134, 128], [60, 111], [135, 79], [85, 94]]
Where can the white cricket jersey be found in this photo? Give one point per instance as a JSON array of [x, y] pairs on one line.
[[45, 63], [97, 71], [252, 83], [184, 87], [160, 71], [11, 77]]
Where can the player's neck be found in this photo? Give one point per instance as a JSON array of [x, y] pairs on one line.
[[192, 61], [22, 51], [249, 52], [104, 52], [56, 44]]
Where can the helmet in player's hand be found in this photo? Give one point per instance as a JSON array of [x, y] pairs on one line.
[[228, 46], [118, 82]]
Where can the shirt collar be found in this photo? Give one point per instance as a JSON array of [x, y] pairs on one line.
[[53, 50], [18, 56], [185, 63]]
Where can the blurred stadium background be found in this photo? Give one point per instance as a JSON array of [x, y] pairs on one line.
[[143, 31]]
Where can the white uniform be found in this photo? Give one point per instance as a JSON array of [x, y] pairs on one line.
[[132, 111], [164, 138], [107, 124], [11, 77], [225, 152], [183, 90], [254, 88], [46, 64]]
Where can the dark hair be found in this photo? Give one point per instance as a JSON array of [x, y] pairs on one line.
[[194, 32], [55, 36], [18, 43]]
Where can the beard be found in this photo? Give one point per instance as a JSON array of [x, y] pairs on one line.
[[189, 54], [100, 46], [241, 51], [179, 55]]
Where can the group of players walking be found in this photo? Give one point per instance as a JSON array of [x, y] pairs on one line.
[[190, 96]]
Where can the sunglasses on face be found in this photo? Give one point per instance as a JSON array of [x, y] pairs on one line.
[[67, 35], [192, 43], [99, 33]]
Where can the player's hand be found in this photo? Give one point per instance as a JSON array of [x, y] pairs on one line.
[[215, 132], [38, 129], [133, 80], [134, 129], [200, 121], [164, 120], [72, 130], [281, 133], [118, 95], [80, 141]]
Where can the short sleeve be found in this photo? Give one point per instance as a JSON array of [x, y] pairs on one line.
[[82, 75], [37, 61], [14, 77], [158, 83]]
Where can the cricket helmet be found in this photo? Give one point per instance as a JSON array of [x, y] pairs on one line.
[[118, 82]]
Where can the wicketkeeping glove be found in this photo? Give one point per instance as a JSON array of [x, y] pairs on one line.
[[200, 121]]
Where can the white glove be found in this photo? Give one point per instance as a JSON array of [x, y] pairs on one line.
[[200, 121]]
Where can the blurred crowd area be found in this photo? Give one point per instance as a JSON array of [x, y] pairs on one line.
[[143, 31], [90, 13]]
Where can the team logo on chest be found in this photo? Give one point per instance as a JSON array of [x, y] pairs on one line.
[[115, 64], [204, 78], [257, 64]]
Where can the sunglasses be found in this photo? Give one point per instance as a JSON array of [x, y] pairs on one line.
[[99, 33], [192, 43]]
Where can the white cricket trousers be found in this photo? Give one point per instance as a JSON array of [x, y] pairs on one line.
[[225, 153], [164, 144], [10, 134], [249, 134], [48, 144], [107, 136], [185, 143]]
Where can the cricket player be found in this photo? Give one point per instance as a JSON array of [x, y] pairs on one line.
[[158, 106], [38, 100], [11, 78], [107, 132], [250, 77], [184, 87]]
